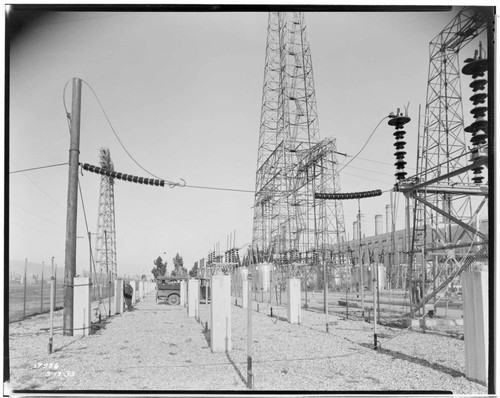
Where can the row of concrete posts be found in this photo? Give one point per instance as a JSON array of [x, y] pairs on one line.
[[83, 308], [220, 287], [475, 297]]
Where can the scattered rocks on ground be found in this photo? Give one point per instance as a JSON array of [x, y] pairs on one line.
[[157, 347]]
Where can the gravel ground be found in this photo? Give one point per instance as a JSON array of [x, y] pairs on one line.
[[157, 347]]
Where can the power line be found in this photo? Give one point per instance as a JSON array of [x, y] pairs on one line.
[[171, 183], [365, 178], [376, 161], [38, 168], [370, 171], [90, 243], [36, 185], [34, 214], [366, 143], [219, 189]]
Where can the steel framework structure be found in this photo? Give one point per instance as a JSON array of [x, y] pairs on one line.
[[291, 228], [106, 233], [445, 211]]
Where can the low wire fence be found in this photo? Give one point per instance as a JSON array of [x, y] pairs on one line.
[[29, 290]]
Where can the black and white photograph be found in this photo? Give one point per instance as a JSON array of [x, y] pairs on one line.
[[243, 199]]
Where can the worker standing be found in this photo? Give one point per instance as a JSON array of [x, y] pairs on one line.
[[128, 291]]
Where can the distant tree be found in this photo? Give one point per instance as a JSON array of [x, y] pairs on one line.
[[160, 268], [179, 269], [194, 271]]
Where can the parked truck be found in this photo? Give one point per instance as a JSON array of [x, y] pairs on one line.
[[168, 289]]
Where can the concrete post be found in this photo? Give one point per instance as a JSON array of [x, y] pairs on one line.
[[244, 294], [293, 296], [81, 306], [243, 280], [220, 329], [118, 296], [265, 277], [475, 307], [135, 294], [193, 296], [141, 290], [183, 293]]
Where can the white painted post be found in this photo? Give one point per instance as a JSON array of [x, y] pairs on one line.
[[183, 293], [135, 293], [193, 296], [244, 294], [475, 307], [220, 328], [81, 306], [118, 296], [293, 296], [243, 281]]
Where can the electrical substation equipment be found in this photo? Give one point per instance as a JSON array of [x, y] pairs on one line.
[[476, 67], [398, 121], [122, 176]]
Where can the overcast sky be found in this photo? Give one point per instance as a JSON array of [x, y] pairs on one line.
[[183, 92]]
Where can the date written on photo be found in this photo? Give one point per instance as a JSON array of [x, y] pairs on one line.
[[55, 372], [58, 373]]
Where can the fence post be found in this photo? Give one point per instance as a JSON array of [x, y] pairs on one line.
[[52, 299], [25, 277], [41, 295], [55, 289]]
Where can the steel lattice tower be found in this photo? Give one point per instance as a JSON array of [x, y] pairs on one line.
[[290, 227], [444, 208], [106, 233]]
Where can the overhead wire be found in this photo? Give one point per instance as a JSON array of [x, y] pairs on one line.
[[218, 189], [377, 161], [170, 183], [68, 115], [36, 185], [34, 214], [38, 168], [174, 184], [366, 143], [90, 246]]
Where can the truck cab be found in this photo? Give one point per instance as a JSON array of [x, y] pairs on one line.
[[168, 289]]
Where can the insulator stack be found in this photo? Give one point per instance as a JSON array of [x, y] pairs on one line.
[[476, 67], [350, 195], [122, 176], [398, 121]]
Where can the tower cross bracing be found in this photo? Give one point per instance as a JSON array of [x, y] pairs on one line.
[[291, 228], [446, 204], [106, 233]]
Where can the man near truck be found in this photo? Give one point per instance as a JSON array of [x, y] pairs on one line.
[[128, 291]]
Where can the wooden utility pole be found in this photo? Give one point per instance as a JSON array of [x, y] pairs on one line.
[[71, 215]]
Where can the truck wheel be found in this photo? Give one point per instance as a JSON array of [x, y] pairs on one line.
[[174, 299]]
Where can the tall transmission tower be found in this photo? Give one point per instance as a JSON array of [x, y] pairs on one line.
[[446, 204], [106, 233], [291, 228]]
